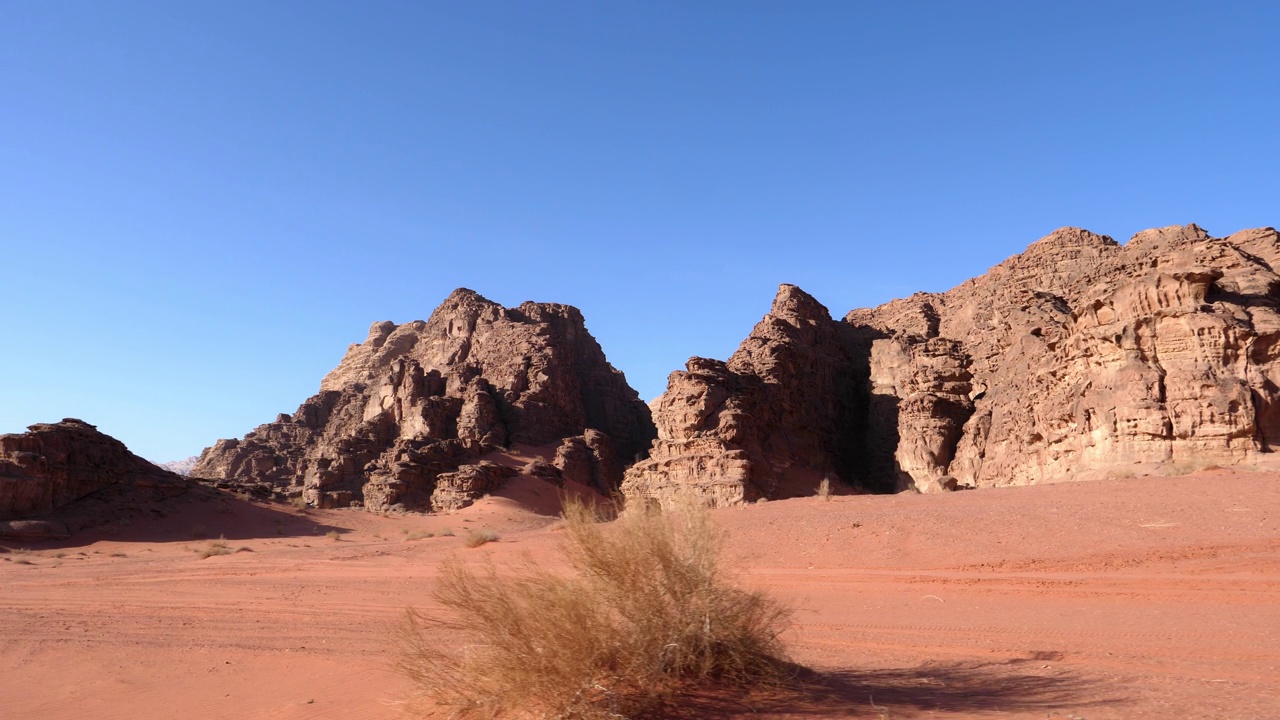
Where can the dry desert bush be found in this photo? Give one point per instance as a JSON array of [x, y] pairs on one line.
[[217, 547], [824, 489], [646, 613], [476, 538]]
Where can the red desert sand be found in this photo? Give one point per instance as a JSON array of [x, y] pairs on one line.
[[1128, 598]]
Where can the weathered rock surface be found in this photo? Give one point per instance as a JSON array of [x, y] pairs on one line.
[[1076, 359], [54, 464], [1089, 358], [458, 489], [423, 399], [784, 412]]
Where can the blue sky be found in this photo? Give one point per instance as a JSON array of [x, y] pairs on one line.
[[203, 204]]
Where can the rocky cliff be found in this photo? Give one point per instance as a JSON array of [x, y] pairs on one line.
[[1078, 358], [1089, 358], [54, 464], [419, 403], [784, 412]]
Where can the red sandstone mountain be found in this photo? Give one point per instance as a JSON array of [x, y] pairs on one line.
[[404, 419], [1075, 359]]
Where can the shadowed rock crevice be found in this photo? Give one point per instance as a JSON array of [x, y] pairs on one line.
[[410, 411]]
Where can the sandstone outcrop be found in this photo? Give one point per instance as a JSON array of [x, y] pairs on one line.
[[1078, 358], [784, 412], [425, 400], [54, 464], [1089, 358]]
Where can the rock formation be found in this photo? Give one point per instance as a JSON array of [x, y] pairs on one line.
[[1089, 358], [784, 412], [405, 416], [54, 464], [1078, 358]]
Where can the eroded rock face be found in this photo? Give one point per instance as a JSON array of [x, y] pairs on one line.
[[54, 464], [458, 489], [1089, 358], [422, 399], [1078, 358], [920, 400], [783, 413]]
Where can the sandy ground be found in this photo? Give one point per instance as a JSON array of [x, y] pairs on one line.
[[1131, 598]]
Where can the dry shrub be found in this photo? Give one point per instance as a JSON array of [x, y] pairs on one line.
[[217, 547], [476, 538], [646, 614], [824, 489]]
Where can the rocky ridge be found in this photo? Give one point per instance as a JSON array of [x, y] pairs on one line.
[[1077, 358], [53, 465], [404, 419]]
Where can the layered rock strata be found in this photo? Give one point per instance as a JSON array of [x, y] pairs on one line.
[[54, 464], [1088, 358], [1078, 358], [403, 420]]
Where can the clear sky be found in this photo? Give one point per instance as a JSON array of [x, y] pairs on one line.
[[203, 203]]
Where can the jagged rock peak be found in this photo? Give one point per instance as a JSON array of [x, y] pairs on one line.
[[795, 305], [419, 400]]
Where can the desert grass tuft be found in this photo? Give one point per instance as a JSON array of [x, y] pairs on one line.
[[217, 547], [476, 538], [824, 489], [646, 614]]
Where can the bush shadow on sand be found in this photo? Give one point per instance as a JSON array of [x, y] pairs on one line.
[[957, 687]]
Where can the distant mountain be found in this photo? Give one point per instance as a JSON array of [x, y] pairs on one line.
[[182, 467]]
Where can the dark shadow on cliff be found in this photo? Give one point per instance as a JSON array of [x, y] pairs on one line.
[[961, 687], [867, 422], [177, 511]]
